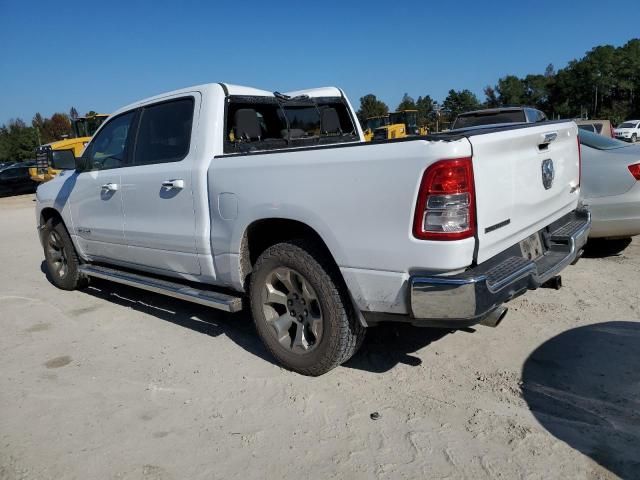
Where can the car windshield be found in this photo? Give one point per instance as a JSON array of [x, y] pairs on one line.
[[627, 125], [87, 126], [373, 123], [599, 142]]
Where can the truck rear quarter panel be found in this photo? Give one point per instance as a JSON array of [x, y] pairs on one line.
[[359, 198]]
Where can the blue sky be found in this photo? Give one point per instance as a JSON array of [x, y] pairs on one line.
[[58, 54]]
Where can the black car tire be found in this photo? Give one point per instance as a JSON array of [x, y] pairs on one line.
[[342, 333], [63, 264]]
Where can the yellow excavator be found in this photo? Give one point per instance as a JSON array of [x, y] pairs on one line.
[[65, 150], [372, 123], [403, 123]]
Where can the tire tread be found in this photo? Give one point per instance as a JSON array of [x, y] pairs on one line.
[[349, 335]]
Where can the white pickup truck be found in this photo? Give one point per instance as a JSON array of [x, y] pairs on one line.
[[219, 192]]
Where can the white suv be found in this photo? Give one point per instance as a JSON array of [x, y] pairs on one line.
[[629, 130]]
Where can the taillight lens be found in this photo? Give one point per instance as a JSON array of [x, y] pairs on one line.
[[445, 209], [635, 170]]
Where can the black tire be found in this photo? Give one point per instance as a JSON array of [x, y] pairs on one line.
[[634, 138], [342, 333], [61, 258]]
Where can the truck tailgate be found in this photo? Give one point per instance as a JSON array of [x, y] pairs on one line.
[[525, 178]]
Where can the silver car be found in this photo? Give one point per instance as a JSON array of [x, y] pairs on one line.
[[611, 185]]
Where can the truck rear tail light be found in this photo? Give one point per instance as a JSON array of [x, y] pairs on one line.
[[635, 170], [445, 209]]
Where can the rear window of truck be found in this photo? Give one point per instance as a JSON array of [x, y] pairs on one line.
[[268, 123]]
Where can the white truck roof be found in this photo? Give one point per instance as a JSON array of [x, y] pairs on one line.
[[233, 90]]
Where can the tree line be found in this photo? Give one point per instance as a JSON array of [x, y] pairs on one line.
[[604, 84], [18, 140]]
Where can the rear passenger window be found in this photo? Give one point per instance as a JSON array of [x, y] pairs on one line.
[[164, 132], [256, 122]]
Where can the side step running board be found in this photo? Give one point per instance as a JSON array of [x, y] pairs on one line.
[[220, 301]]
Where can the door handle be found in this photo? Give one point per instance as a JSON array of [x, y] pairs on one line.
[[177, 183], [111, 187], [546, 139]]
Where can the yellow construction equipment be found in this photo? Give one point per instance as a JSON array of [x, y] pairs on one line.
[[403, 123], [372, 123], [47, 155]]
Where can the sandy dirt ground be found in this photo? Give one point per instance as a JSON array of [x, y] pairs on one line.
[[115, 383]]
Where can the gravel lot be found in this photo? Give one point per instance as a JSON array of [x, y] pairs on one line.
[[116, 383]]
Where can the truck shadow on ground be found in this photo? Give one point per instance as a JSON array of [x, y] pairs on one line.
[[583, 386], [601, 248], [385, 346], [390, 344]]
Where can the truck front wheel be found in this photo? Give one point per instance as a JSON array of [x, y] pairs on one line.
[[61, 257], [301, 309]]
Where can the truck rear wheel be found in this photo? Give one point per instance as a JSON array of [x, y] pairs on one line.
[[302, 312], [61, 257]]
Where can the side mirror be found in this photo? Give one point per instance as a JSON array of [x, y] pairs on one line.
[[80, 163], [63, 160]]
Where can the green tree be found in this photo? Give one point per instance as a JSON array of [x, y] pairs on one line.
[[407, 103], [17, 141], [550, 71], [536, 91], [426, 107], [602, 84], [511, 90], [370, 106], [460, 101], [491, 98], [38, 124]]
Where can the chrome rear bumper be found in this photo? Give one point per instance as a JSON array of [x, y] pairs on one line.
[[466, 298]]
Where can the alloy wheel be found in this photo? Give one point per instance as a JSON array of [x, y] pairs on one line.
[[292, 310], [57, 255]]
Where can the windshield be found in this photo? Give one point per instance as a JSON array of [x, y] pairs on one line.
[[373, 123], [475, 119], [627, 125], [599, 142], [87, 126], [409, 118]]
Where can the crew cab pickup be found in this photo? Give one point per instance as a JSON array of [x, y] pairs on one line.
[[218, 192]]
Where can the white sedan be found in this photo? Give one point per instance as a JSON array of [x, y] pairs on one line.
[[611, 186]]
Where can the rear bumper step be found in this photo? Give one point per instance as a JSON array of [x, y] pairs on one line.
[[217, 300], [465, 299]]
